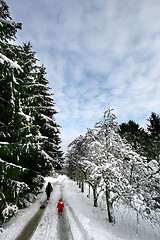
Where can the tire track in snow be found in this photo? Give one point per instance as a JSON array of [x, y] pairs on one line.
[[51, 226], [41, 224], [76, 232], [31, 226], [64, 231], [47, 228]]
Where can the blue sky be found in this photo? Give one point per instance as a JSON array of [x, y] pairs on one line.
[[97, 53]]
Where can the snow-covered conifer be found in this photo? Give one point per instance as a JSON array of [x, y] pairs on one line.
[[24, 142], [8, 27], [49, 129]]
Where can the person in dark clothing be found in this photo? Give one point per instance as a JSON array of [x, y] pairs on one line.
[[49, 189]]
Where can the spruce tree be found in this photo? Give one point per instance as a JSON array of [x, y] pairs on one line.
[[11, 184], [8, 27], [28, 130], [136, 136], [45, 119], [154, 125], [154, 134], [8, 84]]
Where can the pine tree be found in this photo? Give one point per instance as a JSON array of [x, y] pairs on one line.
[[49, 129], [12, 174], [27, 123], [154, 125], [8, 27], [154, 134], [137, 137], [8, 85]]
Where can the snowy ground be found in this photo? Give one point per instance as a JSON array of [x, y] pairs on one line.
[[80, 220]]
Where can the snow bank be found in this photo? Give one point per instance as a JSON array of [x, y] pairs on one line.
[[9, 211], [14, 227]]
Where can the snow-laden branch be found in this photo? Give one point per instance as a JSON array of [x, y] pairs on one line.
[[12, 64], [13, 165]]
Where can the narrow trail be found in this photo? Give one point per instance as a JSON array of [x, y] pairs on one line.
[[32, 225], [69, 227], [46, 224], [64, 231]]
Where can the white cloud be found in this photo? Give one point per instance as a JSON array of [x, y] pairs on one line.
[[96, 52]]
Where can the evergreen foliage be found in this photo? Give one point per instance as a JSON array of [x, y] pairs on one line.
[[8, 27], [145, 142], [154, 125], [49, 129], [154, 134], [29, 134], [137, 137]]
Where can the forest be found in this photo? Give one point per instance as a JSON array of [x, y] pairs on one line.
[[29, 134]]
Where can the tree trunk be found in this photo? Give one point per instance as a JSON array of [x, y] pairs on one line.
[[111, 217], [82, 186], [89, 191], [16, 195], [95, 196], [137, 226], [131, 175]]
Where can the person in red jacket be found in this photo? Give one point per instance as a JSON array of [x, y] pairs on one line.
[[60, 206]]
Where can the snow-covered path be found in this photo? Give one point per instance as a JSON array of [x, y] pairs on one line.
[[48, 226], [64, 231], [70, 226], [58, 227], [80, 220]]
